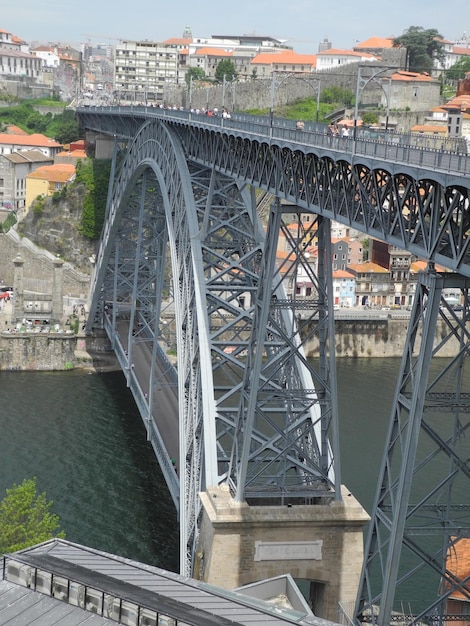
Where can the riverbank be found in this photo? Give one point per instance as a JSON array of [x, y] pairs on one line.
[[56, 347], [358, 334]]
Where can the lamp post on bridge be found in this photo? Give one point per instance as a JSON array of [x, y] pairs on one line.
[[274, 86], [361, 84], [231, 83], [318, 81]]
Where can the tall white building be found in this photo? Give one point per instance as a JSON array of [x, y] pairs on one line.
[[143, 70]]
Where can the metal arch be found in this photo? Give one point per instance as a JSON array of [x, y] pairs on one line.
[[127, 262], [421, 508]]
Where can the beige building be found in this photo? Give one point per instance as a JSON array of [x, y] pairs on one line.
[[410, 90], [14, 168], [47, 180], [282, 61]]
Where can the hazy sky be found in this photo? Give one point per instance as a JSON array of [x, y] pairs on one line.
[[304, 23]]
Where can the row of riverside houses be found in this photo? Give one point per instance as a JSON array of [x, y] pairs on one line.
[[31, 166], [366, 272], [27, 72]]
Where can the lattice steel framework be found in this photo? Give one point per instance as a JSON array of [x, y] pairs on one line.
[[422, 510], [425, 212], [386, 191], [415, 524], [253, 412]]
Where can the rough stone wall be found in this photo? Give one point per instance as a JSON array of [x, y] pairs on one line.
[[56, 227], [257, 94], [376, 338], [37, 351], [38, 267]]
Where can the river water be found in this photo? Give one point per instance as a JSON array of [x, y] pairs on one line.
[[82, 437]]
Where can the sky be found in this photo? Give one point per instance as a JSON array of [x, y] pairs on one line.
[[303, 23]]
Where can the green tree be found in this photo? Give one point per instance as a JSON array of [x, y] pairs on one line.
[[337, 95], [225, 68], [25, 518], [459, 69], [68, 132], [423, 47], [94, 174], [197, 73], [369, 118]]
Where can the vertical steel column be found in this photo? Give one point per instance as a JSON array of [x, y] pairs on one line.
[[137, 261], [415, 412], [329, 435], [417, 517], [249, 390]]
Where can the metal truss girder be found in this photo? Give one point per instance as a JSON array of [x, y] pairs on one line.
[[428, 216], [423, 210], [420, 510]]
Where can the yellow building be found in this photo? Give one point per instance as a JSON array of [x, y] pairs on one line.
[[48, 179]]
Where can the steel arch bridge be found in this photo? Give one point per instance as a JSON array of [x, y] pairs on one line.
[[254, 412]]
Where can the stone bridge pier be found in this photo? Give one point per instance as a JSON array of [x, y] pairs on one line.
[[319, 545]]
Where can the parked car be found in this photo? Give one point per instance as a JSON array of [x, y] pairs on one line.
[[6, 292]]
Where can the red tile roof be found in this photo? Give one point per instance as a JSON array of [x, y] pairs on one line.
[[179, 41], [57, 173], [378, 43], [208, 51], [402, 75], [288, 57], [368, 266], [29, 140], [461, 51], [459, 102], [430, 128], [15, 130], [458, 563], [346, 53], [342, 274]]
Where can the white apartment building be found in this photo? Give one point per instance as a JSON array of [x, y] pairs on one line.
[[143, 70], [18, 64], [49, 56], [334, 58]]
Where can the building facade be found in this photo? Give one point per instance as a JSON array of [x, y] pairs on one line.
[[14, 168], [47, 180], [143, 70]]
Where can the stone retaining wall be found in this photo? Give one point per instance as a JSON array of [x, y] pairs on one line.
[[38, 267], [58, 351], [37, 351]]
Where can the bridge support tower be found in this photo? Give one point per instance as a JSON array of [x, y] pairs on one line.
[[320, 545]]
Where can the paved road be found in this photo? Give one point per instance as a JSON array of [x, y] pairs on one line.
[[165, 393]]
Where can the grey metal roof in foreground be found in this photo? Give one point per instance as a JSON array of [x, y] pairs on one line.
[[22, 606], [59, 582]]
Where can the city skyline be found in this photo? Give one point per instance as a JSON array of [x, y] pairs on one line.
[[344, 25]]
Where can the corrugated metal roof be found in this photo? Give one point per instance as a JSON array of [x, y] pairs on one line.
[[20, 606], [137, 584]]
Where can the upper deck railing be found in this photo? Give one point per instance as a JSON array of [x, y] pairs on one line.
[[426, 152]]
